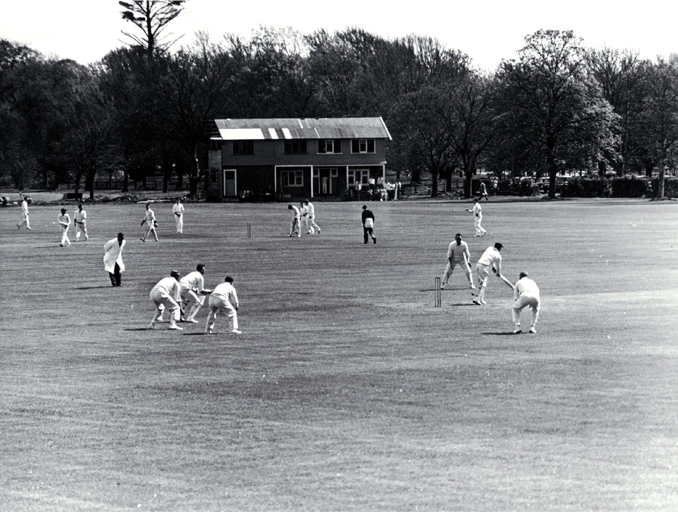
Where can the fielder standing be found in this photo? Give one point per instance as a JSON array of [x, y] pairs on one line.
[[491, 259], [224, 298], [192, 288], [151, 223], [64, 221], [303, 212], [113, 263], [80, 221], [457, 254], [368, 225], [25, 221], [165, 295], [312, 226], [477, 212], [525, 293], [295, 227], [178, 211]]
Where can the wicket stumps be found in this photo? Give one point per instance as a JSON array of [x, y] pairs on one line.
[[249, 230], [438, 293]]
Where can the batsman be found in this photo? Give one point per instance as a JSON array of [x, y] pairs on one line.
[[491, 259]]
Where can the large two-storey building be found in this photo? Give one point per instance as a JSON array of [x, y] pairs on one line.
[[298, 158]]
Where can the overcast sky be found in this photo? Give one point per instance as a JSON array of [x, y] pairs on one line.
[[487, 31]]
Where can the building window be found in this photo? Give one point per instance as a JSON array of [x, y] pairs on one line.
[[358, 176], [295, 147], [243, 147], [362, 146], [292, 178], [329, 146]]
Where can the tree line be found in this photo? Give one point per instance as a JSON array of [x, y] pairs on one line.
[[559, 106]]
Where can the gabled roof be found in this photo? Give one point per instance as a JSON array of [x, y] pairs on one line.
[[302, 128]]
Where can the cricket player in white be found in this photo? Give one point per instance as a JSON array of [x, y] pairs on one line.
[[491, 259], [295, 228], [80, 221], [525, 293], [192, 288], [165, 295], [457, 254], [303, 212], [113, 258], [25, 221], [149, 220], [178, 211], [310, 222], [477, 212], [64, 222], [225, 299]]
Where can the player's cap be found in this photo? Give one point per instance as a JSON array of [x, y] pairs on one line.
[[228, 279], [498, 246], [364, 207], [174, 274], [63, 210], [523, 274]]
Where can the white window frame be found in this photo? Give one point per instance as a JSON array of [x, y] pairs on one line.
[[329, 147], [298, 176], [363, 146], [363, 174]]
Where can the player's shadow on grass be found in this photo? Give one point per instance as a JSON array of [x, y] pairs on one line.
[[464, 304], [138, 329], [93, 287]]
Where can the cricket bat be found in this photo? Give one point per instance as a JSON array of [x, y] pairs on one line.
[[509, 283]]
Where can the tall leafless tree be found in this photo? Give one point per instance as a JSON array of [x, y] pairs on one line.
[[151, 17]]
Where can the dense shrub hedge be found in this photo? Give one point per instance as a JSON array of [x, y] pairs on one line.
[[581, 187], [523, 188], [625, 186], [670, 187], [630, 186]]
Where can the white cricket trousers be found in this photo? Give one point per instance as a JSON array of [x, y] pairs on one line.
[[64, 236], [450, 268], [151, 230], [226, 308], [179, 219], [25, 221], [312, 226], [163, 301], [522, 302], [80, 227], [480, 231]]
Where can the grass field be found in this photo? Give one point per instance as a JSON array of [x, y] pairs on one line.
[[348, 390]]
